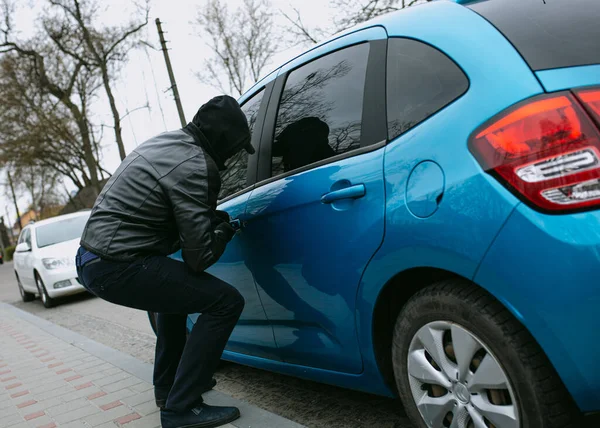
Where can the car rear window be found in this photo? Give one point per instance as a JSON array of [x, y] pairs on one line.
[[60, 231], [548, 33], [421, 80]]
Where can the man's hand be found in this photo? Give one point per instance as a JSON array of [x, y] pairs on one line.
[[223, 216], [226, 231]]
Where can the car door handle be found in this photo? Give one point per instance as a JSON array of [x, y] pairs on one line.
[[237, 224], [352, 192]]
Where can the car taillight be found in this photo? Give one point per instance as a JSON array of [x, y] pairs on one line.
[[547, 149]]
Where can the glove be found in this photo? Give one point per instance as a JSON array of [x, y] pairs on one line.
[[222, 215], [225, 231]]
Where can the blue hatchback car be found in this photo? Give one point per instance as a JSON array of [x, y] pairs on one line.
[[421, 217]]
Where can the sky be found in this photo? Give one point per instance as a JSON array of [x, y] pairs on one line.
[[144, 81]]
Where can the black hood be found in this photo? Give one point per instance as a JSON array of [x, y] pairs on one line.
[[225, 128]]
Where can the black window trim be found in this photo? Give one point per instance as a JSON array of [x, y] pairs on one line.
[[373, 125], [252, 168], [445, 105]]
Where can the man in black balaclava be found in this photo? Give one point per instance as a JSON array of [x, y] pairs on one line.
[[162, 198]]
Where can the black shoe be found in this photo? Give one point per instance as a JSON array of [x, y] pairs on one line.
[[203, 416], [161, 400]]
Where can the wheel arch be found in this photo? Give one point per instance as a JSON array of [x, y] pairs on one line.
[[393, 296]]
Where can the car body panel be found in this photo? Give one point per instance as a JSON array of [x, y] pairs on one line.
[[570, 77], [306, 280], [542, 268], [253, 334], [473, 206], [472, 232]]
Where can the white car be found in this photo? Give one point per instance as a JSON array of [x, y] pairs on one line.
[[44, 258]]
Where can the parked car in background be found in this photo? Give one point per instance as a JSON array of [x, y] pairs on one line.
[[44, 258], [422, 214]]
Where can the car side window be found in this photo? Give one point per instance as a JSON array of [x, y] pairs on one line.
[[320, 110], [21, 237], [25, 237], [234, 178], [421, 80]]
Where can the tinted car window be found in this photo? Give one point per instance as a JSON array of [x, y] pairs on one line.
[[21, 237], [548, 33], [60, 231], [420, 81], [320, 110], [234, 178]]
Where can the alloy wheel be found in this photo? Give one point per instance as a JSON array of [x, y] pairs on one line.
[[457, 382]]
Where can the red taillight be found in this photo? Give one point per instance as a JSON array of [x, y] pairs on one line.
[[547, 149], [591, 98]]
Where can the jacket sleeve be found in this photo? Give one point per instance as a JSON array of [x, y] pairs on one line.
[[202, 244]]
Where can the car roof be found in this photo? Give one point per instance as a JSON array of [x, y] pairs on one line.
[[59, 218], [381, 21]]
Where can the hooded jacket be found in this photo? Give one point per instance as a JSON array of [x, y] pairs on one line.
[[164, 194]]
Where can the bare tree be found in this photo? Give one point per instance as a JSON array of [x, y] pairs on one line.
[[42, 73], [40, 183], [104, 49], [35, 129], [242, 41], [348, 14]]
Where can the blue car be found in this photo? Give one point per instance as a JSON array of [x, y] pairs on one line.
[[421, 217]]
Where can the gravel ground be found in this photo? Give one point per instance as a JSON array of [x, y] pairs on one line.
[[309, 403]]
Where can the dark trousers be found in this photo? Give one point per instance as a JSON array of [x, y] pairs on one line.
[[182, 368]]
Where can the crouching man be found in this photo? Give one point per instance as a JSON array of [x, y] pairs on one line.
[[163, 198]]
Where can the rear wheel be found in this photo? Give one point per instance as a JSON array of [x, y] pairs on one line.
[[46, 299], [461, 360], [25, 296]]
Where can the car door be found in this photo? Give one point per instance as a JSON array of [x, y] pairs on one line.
[[253, 335], [26, 262], [18, 257], [316, 219]]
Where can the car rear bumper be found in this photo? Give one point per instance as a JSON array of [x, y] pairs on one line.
[[546, 270]]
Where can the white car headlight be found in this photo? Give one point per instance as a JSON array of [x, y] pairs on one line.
[[57, 263]]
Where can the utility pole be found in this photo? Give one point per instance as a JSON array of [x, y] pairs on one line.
[[163, 45], [12, 191]]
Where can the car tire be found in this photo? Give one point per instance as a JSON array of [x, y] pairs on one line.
[[453, 333], [25, 296], [47, 301]]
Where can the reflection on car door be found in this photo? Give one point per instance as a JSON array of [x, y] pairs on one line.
[[315, 225]]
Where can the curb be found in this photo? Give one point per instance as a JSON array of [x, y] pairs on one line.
[[252, 416]]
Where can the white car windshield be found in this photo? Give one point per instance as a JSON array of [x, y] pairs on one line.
[[60, 231]]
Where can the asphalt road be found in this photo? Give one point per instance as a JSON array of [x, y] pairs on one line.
[[309, 403]]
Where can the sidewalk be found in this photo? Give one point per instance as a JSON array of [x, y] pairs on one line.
[[52, 377]]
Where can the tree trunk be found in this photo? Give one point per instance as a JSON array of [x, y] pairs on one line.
[[114, 111], [88, 150]]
